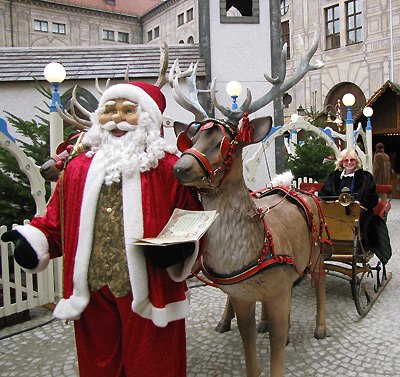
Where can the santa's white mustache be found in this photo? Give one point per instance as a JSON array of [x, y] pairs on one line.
[[123, 126]]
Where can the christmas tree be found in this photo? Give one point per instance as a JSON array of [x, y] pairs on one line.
[[309, 157]]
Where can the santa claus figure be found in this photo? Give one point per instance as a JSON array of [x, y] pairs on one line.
[[129, 314]]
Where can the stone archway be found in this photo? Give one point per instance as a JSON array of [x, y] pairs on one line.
[[337, 93]]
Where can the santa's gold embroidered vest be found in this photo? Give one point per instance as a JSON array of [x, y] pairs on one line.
[[108, 264]]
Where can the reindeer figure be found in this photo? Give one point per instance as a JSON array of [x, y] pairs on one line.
[[269, 240]]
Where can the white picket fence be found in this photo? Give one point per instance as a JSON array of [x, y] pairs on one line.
[[20, 290], [296, 183]]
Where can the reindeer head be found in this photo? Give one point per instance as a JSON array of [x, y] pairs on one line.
[[209, 146]]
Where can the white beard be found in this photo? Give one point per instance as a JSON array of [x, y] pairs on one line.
[[139, 149]]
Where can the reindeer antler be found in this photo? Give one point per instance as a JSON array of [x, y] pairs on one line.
[[280, 86], [82, 124], [164, 59], [190, 102]]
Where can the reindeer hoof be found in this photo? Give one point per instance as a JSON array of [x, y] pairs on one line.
[[321, 332], [223, 326], [262, 327]]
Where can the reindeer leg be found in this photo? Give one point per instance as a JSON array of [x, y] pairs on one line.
[[278, 310], [245, 313], [320, 329], [224, 324], [262, 326]]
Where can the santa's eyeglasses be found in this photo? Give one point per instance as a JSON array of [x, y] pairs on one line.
[[349, 161]]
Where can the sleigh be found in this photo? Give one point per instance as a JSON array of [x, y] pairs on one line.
[[349, 257]]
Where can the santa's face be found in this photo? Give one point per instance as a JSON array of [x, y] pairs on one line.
[[119, 116]]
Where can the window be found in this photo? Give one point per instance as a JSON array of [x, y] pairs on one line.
[[332, 27], [110, 2], [58, 28], [149, 35], [156, 32], [189, 15], [239, 11], [286, 36], [354, 21], [190, 40], [181, 19], [40, 25], [123, 37], [284, 7], [108, 35]]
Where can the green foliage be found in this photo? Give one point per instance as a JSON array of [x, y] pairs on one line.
[[16, 201], [308, 161]]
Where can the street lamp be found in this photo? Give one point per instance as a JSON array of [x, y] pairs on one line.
[[234, 88], [301, 110], [368, 111], [55, 74], [349, 100]]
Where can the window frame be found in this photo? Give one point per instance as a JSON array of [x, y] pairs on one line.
[[57, 25], [180, 19], [284, 4], [253, 19], [41, 23], [157, 32], [149, 35], [125, 36], [333, 37], [286, 36], [189, 15], [109, 33], [356, 27]]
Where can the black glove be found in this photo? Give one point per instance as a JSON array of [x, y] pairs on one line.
[[167, 256], [24, 255]]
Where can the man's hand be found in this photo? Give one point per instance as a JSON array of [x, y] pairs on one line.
[[24, 255]]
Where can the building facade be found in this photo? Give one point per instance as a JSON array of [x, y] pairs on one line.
[[359, 46]]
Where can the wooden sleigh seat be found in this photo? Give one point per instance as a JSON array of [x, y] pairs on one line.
[[349, 258]]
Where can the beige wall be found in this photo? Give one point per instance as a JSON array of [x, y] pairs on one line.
[[83, 28]]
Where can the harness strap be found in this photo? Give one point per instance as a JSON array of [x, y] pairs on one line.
[[247, 272], [202, 158]]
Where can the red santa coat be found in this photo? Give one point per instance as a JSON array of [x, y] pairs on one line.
[[158, 294]]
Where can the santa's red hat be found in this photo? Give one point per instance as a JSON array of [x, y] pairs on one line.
[[149, 97]]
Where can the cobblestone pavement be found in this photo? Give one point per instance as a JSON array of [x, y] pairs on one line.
[[360, 347]]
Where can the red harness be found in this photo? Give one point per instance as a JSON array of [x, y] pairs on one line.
[[269, 258], [227, 149]]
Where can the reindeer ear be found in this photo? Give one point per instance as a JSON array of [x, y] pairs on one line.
[[261, 128], [179, 127]]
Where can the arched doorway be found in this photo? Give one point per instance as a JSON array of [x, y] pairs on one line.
[[337, 93]]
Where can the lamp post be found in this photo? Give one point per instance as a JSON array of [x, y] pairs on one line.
[[55, 74], [234, 88], [349, 100], [368, 111]]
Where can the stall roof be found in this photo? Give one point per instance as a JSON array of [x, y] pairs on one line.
[[388, 85]]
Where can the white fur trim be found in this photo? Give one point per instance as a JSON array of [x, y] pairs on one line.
[[37, 239], [284, 179], [73, 307], [133, 227], [135, 94]]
